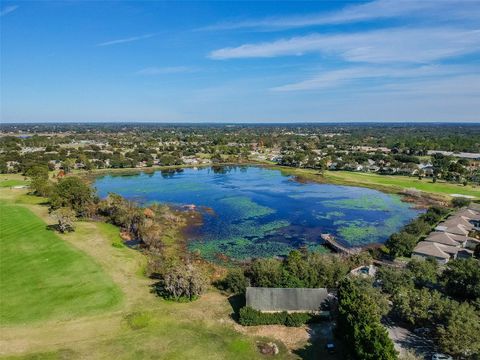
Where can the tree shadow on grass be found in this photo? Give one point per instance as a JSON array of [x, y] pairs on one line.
[[236, 302], [52, 227]]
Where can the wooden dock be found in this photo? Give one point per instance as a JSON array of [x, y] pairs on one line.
[[336, 246]]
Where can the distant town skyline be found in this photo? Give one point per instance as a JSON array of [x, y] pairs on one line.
[[235, 62]]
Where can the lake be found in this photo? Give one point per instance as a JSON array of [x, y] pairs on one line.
[[260, 212]]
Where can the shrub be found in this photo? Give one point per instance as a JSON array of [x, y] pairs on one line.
[[65, 219], [181, 282], [460, 202], [297, 319], [252, 317]]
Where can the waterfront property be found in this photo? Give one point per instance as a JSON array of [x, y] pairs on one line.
[[451, 239]]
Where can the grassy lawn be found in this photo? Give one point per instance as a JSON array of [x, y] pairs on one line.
[[9, 180], [404, 182], [395, 183], [42, 277]]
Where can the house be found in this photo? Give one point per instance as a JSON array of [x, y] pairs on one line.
[[441, 253], [446, 238], [286, 299], [451, 239]]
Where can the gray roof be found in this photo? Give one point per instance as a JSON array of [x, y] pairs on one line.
[[286, 299]]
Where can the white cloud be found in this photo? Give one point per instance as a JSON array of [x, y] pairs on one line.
[[8, 9], [380, 9], [336, 78], [415, 45], [165, 70], [125, 40]]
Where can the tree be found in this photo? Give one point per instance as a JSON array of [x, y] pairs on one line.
[[128, 215], [462, 279], [423, 272], [265, 273], [68, 165], [460, 335], [393, 279], [39, 180], [151, 232], [37, 171], [73, 193], [419, 307], [359, 322], [181, 282], [401, 244], [235, 282], [65, 219]]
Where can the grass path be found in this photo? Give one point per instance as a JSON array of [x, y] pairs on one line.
[[144, 327]]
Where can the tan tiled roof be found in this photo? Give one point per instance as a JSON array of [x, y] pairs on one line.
[[445, 238], [471, 214], [428, 248]]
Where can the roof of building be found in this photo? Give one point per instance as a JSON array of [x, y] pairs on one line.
[[445, 238], [460, 220], [453, 228], [286, 299], [469, 213], [428, 248]]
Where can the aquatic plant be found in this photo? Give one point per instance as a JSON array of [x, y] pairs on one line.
[[245, 207]]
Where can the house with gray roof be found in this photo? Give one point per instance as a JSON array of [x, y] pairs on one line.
[[286, 299], [451, 239]]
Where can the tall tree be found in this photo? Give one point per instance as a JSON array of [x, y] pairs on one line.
[[460, 335]]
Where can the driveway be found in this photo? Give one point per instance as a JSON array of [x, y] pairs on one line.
[[405, 339]]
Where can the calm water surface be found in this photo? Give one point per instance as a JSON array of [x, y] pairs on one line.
[[259, 212]]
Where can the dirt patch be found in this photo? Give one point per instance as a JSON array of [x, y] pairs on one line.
[[292, 337]]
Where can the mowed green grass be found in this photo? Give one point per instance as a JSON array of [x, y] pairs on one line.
[[43, 277], [404, 182], [9, 180]]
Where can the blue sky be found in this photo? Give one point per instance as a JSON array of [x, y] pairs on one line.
[[317, 61]]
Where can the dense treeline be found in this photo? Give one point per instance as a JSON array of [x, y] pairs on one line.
[[98, 146], [414, 137], [300, 269], [445, 304]]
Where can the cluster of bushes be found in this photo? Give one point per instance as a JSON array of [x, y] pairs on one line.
[[459, 202], [403, 242], [300, 269], [252, 317], [360, 309]]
